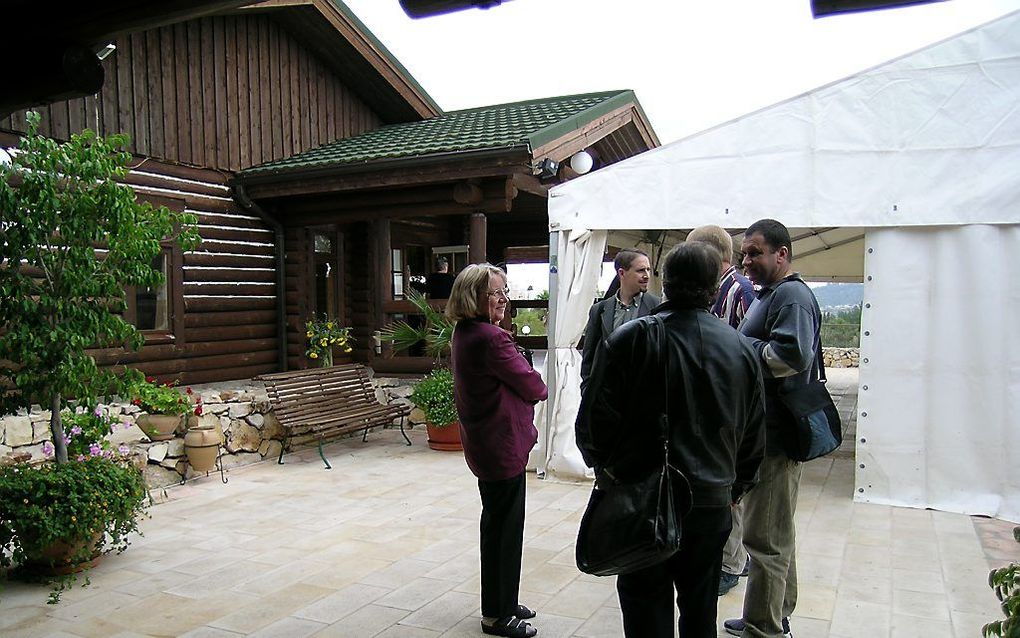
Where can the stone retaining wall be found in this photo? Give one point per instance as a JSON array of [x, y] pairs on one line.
[[841, 357], [240, 410]]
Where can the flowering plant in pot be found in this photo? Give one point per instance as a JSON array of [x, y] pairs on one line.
[[202, 440], [164, 406], [59, 517], [324, 335], [433, 395]]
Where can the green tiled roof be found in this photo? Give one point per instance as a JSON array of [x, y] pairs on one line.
[[521, 124]]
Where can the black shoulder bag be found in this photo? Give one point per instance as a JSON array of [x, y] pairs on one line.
[[817, 429], [631, 525]]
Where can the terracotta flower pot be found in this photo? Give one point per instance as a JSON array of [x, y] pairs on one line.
[[202, 444], [445, 439], [158, 427], [57, 558]]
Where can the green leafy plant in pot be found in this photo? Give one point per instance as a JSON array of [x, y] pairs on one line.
[[1006, 583], [59, 517], [433, 395], [165, 408]]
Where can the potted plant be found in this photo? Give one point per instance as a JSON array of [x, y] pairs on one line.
[[164, 406], [1006, 583], [435, 331], [324, 335], [433, 395], [201, 442], [58, 518]]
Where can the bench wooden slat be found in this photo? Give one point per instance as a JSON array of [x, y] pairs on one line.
[[328, 402]]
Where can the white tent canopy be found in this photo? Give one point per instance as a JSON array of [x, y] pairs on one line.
[[903, 176]]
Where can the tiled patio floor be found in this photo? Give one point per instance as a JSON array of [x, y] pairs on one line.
[[386, 545]]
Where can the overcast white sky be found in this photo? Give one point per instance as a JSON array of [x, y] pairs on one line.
[[692, 63]]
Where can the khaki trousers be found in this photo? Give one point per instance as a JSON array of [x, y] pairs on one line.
[[770, 538], [734, 556]]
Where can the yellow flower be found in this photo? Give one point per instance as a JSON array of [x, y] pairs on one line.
[[322, 342], [309, 334], [347, 349], [329, 325], [313, 355]]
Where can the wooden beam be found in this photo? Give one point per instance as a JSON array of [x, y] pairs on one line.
[[389, 212], [477, 246], [526, 254], [562, 148], [384, 174], [530, 184]]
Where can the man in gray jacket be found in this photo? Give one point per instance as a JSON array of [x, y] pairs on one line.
[[631, 301], [783, 326]]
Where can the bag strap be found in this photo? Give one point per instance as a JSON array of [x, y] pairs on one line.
[[659, 343]]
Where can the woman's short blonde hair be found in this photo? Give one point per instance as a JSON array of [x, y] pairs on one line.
[[468, 287]]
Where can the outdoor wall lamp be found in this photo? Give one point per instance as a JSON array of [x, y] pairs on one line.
[[548, 168], [377, 341], [582, 162]]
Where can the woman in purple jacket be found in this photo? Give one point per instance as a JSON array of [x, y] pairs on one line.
[[496, 392]]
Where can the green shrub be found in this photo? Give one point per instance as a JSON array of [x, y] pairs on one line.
[[1006, 583], [69, 502], [434, 396]]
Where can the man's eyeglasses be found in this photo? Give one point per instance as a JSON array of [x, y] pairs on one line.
[[505, 293]]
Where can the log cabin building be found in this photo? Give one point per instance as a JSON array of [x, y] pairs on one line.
[[323, 176]]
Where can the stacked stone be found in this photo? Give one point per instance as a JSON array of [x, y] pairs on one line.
[[240, 412], [841, 357]]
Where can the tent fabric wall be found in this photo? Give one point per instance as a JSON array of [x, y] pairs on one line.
[[576, 279], [940, 372], [929, 141]]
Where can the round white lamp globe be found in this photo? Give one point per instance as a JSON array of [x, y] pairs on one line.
[[581, 162]]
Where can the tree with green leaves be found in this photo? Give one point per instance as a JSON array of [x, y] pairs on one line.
[[72, 239]]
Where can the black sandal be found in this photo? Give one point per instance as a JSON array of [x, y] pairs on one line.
[[510, 627], [524, 613]]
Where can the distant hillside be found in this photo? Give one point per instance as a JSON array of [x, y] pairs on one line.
[[839, 295]]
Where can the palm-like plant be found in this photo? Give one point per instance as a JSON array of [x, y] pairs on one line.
[[436, 331]]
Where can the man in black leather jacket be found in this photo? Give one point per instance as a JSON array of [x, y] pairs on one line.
[[716, 416]]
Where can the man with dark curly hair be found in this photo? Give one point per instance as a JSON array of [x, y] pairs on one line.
[[713, 399]]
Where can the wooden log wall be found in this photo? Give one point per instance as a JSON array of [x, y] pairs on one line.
[[226, 92], [228, 328]]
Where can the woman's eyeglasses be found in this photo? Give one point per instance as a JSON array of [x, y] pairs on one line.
[[505, 293]]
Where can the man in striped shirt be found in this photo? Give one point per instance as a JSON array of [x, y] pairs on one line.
[[735, 290], [731, 303]]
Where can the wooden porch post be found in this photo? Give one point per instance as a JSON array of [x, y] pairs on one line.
[[477, 247], [382, 268]]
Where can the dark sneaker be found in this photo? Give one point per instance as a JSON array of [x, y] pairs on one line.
[[727, 582], [747, 566], [735, 627]]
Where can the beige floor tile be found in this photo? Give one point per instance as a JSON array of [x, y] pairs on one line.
[[332, 608], [289, 628], [266, 610], [919, 581], [606, 622], [816, 601], [443, 613], [857, 619], [967, 624], [416, 594], [579, 599], [368, 621], [921, 604]]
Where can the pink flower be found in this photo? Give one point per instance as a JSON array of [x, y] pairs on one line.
[[81, 457], [123, 448], [95, 450], [47, 448], [75, 431]]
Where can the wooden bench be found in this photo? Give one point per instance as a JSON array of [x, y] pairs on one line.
[[324, 403]]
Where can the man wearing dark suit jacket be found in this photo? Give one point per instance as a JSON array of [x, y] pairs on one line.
[[631, 301]]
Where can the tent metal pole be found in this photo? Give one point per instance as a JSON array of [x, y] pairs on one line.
[[550, 359]]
